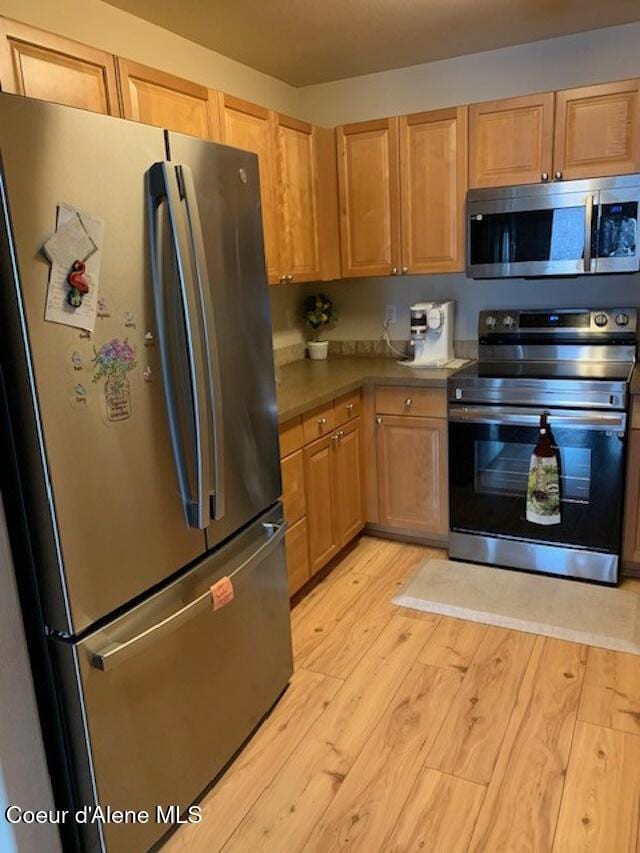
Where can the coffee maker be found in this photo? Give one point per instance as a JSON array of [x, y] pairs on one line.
[[432, 328]]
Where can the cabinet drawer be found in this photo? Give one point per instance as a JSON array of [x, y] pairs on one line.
[[297, 547], [291, 438], [347, 407], [317, 422], [423, 402], [292, 468]]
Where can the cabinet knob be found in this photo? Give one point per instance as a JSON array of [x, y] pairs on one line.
[[335, 437], [408, 402], [349, 407], [283, 279], [558, 176], [322, 421], [405, 270], [340, 433], [378, 420], [544, 176], [394, 270], [289, 278]]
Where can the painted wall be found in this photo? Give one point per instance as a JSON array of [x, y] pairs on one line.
[[103, 26], [593, 57], [24, 778], [598, 56], [360, 302]]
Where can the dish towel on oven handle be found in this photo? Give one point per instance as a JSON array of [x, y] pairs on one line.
[[543, 488]]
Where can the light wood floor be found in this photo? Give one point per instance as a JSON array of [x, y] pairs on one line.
[[407, 731]]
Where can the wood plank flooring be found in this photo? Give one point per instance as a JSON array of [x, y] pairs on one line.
[[406, 731]]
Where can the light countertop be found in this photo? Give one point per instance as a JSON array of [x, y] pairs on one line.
[[306, 384]]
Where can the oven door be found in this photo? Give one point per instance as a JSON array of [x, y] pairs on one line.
[[550, 234], [489, 454], [616, 247]]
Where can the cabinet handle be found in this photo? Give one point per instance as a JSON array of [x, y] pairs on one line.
[[322, 421], [349, 407], [378, 420], [335, 437], [283, 279], [408, 402], [544, 176], [340, 433], [405, 270], [394, 270], [558, 176], [289, 278]]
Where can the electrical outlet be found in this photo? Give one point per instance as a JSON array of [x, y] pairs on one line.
[[389, 314]]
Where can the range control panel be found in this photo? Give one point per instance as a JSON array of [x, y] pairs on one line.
[[604, 320]]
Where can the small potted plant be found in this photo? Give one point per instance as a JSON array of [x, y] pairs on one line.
[[318, 313]]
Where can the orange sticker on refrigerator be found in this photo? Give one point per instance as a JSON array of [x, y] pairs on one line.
[[222, 593]]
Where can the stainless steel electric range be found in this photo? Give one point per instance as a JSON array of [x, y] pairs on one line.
[[574, 365]]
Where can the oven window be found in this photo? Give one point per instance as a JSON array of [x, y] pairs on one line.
[[618, 230], [488, 471], [525, 236], [502, 468]]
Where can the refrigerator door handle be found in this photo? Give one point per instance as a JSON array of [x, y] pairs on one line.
[[116, 653], [195, 489], [214, 385]]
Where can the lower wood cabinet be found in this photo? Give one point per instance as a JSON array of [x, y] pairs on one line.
[[297, 549], [335, 492], [319, 461], [412, 473], [323, 484]]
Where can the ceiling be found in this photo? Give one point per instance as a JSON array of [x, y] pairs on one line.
[[315, 41]]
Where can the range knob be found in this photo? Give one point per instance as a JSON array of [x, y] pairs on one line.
[[490, 321], [601, 320], [622, 319], [509, 321]]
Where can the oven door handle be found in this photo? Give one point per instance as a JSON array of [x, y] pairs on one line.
[[531, 417]]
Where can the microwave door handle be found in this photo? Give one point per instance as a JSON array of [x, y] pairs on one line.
[[194, 471], [214, 384], [116, 653], [588, 231]]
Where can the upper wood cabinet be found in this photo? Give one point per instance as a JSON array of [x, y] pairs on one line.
[[298, 208], [433, 185], [45, 66], [511, 141], [368, 172], [597, 130], [251, 127], [157, 98]]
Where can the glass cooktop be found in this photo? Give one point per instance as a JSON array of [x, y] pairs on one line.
[[608, 371]]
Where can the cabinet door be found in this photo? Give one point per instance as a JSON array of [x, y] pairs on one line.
[[631, 537], [349, 482], [157, 98], [297, 546], [252, 127], [369, 197], [293, 500], [511, 141], [321, 515], [412, 473], [299, 245], [598, 130], [51, 68], [433, 184]]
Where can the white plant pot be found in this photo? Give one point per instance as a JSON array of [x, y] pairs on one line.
[[318, 350]]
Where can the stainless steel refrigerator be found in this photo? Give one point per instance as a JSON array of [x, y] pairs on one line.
[[132, 501]]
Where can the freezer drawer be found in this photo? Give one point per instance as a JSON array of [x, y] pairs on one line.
[[171, 690]]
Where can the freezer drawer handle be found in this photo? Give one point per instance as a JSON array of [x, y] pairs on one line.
[[117, 653]]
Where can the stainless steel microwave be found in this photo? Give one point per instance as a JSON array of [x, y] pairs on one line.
[[560, 228]]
